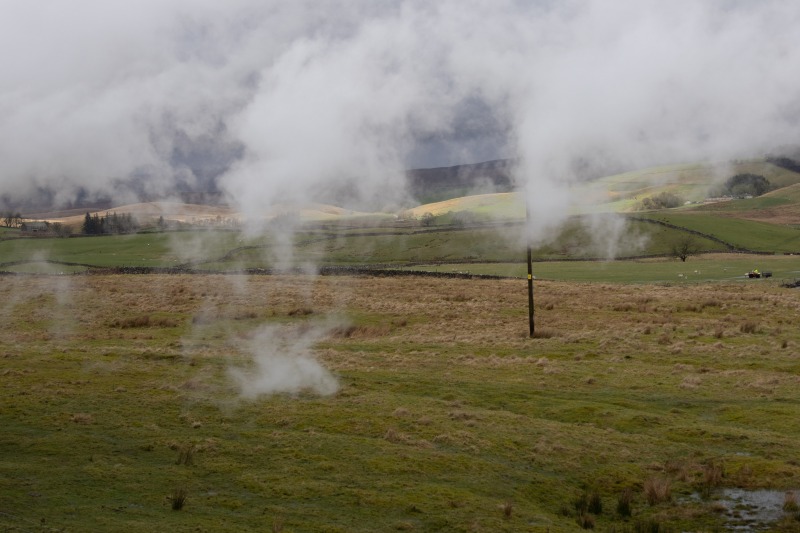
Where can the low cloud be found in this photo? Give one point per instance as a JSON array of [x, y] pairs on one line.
[[287, 101], [283, 363]]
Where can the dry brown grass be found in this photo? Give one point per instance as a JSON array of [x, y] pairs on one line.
[[657, 490], [440, 372]]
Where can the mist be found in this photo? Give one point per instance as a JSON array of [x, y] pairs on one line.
[[282, 363], [276, 102]]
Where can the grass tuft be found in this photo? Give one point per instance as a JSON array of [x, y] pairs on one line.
[[178, 499], [790, 502], [82, 418], [586, 521], [143, 321], [624, 503], [595, 504], [713, 472], [186, 456], [748, 327], [657, 490], [543, 333]]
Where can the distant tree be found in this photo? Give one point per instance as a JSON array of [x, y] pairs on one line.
[[92, 225], [60, 229], [747, 184], [684, 247], [12, 219], [427, 219], [162, 225], [86, 227], [662, 200]]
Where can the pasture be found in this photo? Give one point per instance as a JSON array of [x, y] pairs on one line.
[[635, 408]]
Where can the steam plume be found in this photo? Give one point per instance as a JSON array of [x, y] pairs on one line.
[[293, 98], [283, 364]]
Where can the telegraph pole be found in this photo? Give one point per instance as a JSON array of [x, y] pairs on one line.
[[530, 266]]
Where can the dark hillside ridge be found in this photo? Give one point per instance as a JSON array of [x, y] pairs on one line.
[[785, 162], [443, 183]]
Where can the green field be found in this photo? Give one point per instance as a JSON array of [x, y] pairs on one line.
[[230, 251], [745, 234], [699, 269]]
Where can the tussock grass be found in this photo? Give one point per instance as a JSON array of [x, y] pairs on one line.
[[657, 490], [790, 502], [144, 321], [625, 503], [178, 499], [749, 327], [544, 333]]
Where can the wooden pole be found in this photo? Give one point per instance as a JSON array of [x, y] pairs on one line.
[[531, 321]]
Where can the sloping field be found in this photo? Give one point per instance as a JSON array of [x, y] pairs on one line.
[[174, 211], [743, 234], [498, 206], [624, 192], [781, 207], [207, 214]]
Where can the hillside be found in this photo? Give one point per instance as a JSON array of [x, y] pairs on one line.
[[623, 193], [194, 214], [781, 206], [443, 183], [504, 205]]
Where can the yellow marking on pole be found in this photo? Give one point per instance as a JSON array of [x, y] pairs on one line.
[[530, 277]]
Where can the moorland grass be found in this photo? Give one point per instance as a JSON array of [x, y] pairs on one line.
[[448, 417]]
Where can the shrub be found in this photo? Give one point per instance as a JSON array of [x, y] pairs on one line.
[[662, 200]]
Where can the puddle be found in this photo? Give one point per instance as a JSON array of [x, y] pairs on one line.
[[752, 510]]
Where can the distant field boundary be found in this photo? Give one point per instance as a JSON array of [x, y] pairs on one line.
[[730, 246]]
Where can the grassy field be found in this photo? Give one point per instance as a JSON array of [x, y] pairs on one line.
[[119, 401], [747, 234], [697, 269], [223, 250]]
